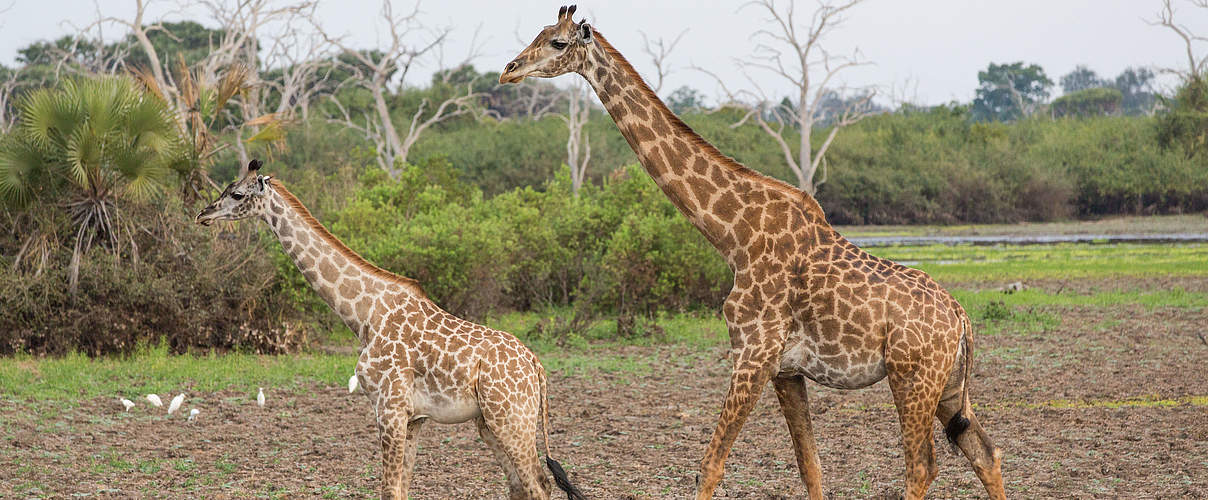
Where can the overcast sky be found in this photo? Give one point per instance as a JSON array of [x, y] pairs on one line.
[[932, 48]]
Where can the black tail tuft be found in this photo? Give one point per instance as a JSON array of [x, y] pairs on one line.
[[956, 426], [572, 493]]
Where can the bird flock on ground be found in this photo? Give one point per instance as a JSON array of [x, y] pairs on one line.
[[174, 405]]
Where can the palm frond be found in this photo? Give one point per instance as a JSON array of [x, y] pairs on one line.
[[83, 156], [143, 172], [21, 172], [273, 132], [150, 123], [48, 117], [233, 80], [144, 77]]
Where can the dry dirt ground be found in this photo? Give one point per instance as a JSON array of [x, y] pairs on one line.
[[1105, 404]]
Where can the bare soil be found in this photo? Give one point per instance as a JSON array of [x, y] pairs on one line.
[[1048, 398]]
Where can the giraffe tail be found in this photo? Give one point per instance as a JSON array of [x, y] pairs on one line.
[[959, 423], [555, 468]]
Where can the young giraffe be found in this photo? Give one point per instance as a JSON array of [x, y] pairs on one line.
[[417, 361], [806, 302]]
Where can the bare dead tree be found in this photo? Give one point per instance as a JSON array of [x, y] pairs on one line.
[[795, 53], [1196, 66], [242, 24], [235, 53], [8, 87], [305, 70], [578, 144], [658, 53], [376, 71]]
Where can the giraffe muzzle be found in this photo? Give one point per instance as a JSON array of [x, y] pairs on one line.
[[202, 217], [510, 75]]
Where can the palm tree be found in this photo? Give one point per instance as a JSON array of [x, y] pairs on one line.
[[87, 146]]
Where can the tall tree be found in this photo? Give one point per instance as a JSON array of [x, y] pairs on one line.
[[1081, 78], [578, 144], [684, 99], [1136, 87], [374, 71], [1010, 91], [1196, 65], [794, 52]]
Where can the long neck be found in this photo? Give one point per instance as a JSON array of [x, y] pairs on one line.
[[708, 187], [352, 286]]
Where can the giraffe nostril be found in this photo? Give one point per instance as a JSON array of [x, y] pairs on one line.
[[510, 67]]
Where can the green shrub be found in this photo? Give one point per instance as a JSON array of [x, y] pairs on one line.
[[193, 287], [1088, 102]]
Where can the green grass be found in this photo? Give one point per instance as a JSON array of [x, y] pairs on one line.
[[1149, 224], [974, 300], [965, 263], [154, 370]]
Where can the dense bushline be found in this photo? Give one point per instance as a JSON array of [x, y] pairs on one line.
[[936, 166], [621, 245]]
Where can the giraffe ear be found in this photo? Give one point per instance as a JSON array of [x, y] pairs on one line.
[[260, 180], [585, 32]]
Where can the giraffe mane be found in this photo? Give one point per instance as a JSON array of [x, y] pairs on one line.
[[335, 243], [699, 142]]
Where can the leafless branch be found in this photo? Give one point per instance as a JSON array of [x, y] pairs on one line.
[[7, 87], [578, 144], [1166, 18], [658, 53], [376, 70], [794, 52]]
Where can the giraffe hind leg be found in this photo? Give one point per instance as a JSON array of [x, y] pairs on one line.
[[967, 434], [515, 487], [794, 403], [916, 398]]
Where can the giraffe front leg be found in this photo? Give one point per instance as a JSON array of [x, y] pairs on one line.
[[398, 453], [794, 403], [395, 467], [750, 375]]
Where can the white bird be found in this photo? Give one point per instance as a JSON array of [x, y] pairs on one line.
[[175, 404], [352, 383], [154, 400], [127, 403], [193, 414], [260, 397]]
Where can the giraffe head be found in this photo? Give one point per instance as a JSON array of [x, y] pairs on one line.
[[241, 199], [559, 48]]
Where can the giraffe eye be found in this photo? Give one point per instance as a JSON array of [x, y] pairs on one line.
[[557, 44], [236, 196]]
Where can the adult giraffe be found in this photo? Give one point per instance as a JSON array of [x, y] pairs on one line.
[[806, 302]]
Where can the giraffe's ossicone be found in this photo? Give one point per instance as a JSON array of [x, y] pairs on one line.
[[417, 362], [806, 302]]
